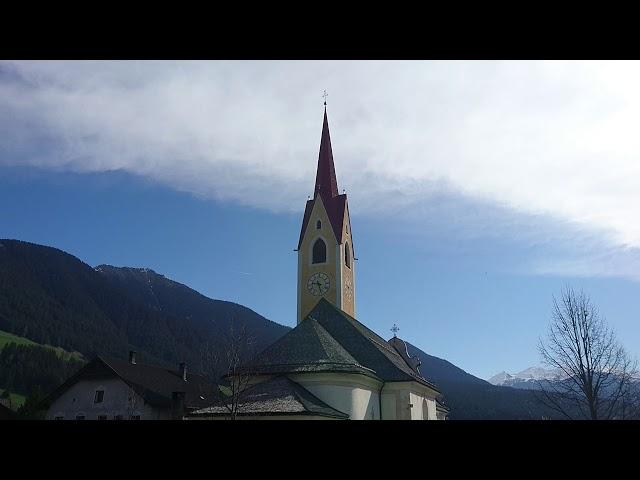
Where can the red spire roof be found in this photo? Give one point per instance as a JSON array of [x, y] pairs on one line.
[[326, 187], [326, 183]]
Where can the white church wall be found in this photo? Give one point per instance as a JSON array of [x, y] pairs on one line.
[[423, 407], [359, 396], [355, 395], [396, 400], [261, 417], [408, 401], [389, 406], [431, 403], [415, 402]]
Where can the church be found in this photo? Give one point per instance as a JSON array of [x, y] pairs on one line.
[[330, 366]]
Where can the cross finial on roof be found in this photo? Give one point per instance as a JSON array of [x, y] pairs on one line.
[[325, 95], [395, 329]]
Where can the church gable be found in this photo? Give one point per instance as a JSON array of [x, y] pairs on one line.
[[334, 209], [325, 229]]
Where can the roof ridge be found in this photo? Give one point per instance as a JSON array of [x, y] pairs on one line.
[[379, 339]]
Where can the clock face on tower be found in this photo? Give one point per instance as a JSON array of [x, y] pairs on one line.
[[318, 284]]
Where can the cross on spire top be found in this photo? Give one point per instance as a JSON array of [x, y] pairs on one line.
[[395, 329], [325, 95]]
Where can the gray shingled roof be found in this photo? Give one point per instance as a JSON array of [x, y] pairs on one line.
[[328, 339], [277, 396], [306, 348], [157, 383], [366, 346]]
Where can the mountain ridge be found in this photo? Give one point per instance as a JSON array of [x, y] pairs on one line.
[[52, 297], [525, 379], [472, 398]]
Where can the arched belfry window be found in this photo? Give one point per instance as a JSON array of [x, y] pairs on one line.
[[318, 225], [347, 255], [319, 251]]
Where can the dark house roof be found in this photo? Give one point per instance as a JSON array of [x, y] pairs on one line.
[[276, 396], [155, 384], [6, 413], [329, 339]]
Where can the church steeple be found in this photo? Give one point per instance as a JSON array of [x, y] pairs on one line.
[[326, 183], [325, 247]]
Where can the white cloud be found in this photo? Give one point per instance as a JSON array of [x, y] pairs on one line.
[[556, 139]]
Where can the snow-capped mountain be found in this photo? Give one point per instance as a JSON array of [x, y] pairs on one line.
[[525, 379]]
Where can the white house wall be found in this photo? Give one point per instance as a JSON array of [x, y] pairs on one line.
[[79, 400]]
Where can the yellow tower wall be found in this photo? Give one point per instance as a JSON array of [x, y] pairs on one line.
[[335, 268], [348, 274], [306, 301]]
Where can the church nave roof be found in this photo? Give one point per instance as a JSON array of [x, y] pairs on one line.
[[330, 340], [306, 348], [277, 396]]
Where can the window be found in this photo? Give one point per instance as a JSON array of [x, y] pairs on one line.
[[319, 251], [102, 417], [80, 417], [347, 255], [318, 225], [99, 396], [58, 418], [425, 410], [134, 417], [117, 417]]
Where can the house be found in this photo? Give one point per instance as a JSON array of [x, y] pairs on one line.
[[114, 389]]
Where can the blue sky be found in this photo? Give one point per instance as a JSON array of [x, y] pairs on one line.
[[457, 299], [476, 189]]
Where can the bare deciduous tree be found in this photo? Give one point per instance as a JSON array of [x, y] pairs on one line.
[[226, 359], [597, 376], [133, 403]]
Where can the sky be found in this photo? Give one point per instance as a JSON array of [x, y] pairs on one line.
[[477, 190]]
